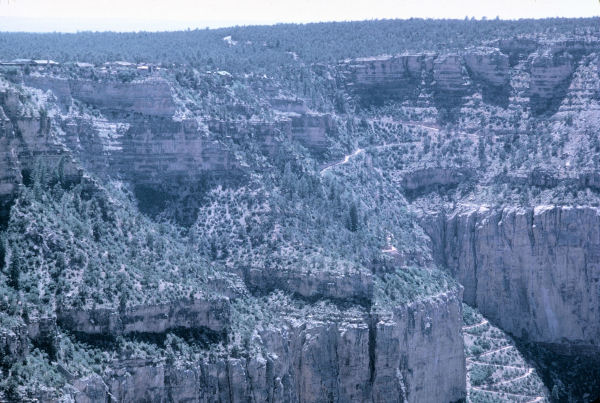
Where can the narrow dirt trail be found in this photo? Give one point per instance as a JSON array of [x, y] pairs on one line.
[[348, 157], [525, 375], [470, 361], [495, 351], [345, 160], [483, 322], [503, 380], [506, 394]]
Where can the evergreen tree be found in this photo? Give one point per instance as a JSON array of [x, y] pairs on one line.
[[14, 272], [353, 218]]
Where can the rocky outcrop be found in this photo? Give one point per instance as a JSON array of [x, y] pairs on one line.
[[311, 130], [534, 271], [418, 349], [576, 47], [267, 134], [212, 314], [289, 104], [90, 389], [16, 338], [378, 79], [550, 78], [403, 77], [412, 353], [60, 87], [426, 180], [490, 69], [488, 65], [449, 73], [340, 284], [157, 155], [517, 48], [156, 149], [10, 175], [151, 96], [14, 344], [26, 139], [451, 76]]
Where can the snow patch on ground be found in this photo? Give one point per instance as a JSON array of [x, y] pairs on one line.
[[228, 40]]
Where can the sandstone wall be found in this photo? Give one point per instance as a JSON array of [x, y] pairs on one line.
[[550, 77], [25, 139], [151, 96], [211, 314], [311, 130], [334, 283], [488, 65], [422, 346], [449, 77], [413, 353], [428, 179], [534, 271]]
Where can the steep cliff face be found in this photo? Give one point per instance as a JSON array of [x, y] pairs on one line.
[[147, 150], [142, 148], [534, 271], [426, 180], [413, 353], [380, 78], [212, 314], [548, 179], [550, 78], [489, 65], [311, 129], [350, 284], [11, 175], [158, 149], [26, 138], [14, 343], [490, 68], [431, 371], [517, 48], [150, 96], [60, 87], [403, 77], [451, 80], [445, 79]]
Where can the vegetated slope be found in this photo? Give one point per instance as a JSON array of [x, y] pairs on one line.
[[249, 223], [496, 368], [265, 47], [280, 281]]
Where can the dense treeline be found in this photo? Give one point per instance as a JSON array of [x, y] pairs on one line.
[[265, 46]]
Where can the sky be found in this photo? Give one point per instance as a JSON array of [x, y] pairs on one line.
[[161, 15]]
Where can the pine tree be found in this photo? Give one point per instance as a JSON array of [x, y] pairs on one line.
[[14, 272], [353, 221]]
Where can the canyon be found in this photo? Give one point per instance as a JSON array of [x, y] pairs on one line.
[[329, 235]]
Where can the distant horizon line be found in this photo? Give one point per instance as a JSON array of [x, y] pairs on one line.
[[183, 25]]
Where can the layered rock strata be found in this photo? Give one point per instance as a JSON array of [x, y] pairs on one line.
[[412, 353], [212, 314], [429, 179], [354, 284], [151, 96], [550, 78], [445, 79]]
